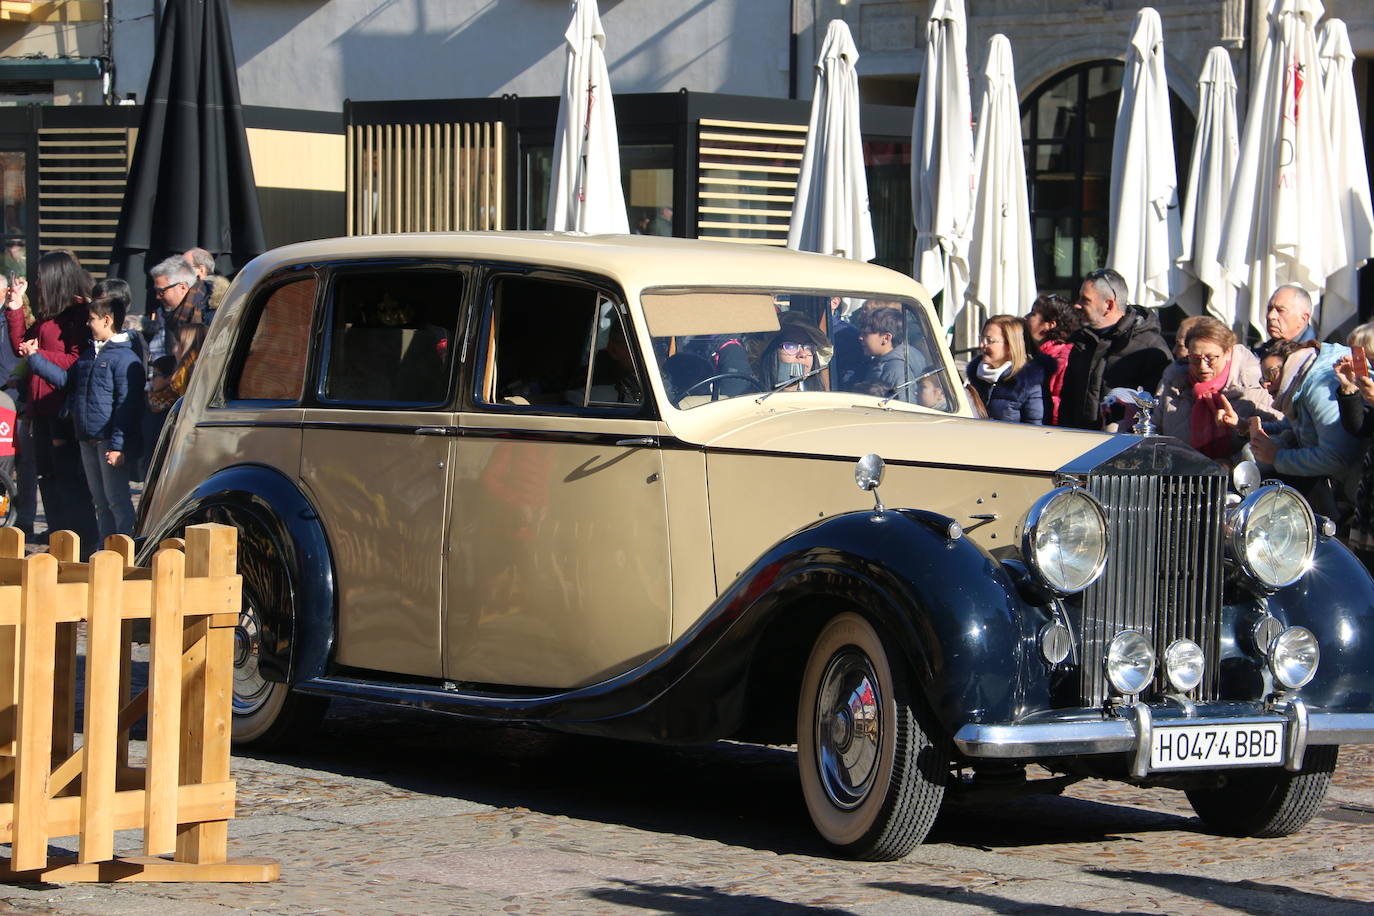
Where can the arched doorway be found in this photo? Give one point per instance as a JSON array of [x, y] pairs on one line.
[[1067, 125]]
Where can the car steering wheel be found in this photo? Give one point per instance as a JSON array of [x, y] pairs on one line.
[[715, 395]]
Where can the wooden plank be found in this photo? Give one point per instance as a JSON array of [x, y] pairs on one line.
[[164, 705], [211, 551], [153, 869], [750, 153], [748, 211], [753, 138], [738, 240], [741, 195], [103, 651], [208, 802], [217, 596], [12, 543], [64, 546], [37, 643], [753, 125], [751, 227], [123, 545]]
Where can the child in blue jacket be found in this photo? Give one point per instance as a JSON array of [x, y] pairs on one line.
[[105, 396]]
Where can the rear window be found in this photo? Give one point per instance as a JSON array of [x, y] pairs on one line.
[[274, 367]]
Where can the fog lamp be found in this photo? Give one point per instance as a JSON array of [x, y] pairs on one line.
[[1130, 662], [1054, 642], [1294, 657], [1183, 664]]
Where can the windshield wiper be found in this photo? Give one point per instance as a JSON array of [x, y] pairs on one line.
[[788, 382], [908, 383]]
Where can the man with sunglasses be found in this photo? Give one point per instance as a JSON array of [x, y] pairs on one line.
[[1119, 346]]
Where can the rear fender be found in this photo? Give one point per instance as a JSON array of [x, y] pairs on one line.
[[282, 551]]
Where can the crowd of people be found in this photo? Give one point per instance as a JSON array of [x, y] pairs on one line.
[[1300, 408], [91, 384]]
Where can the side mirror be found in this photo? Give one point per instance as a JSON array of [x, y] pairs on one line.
[[868, 474]]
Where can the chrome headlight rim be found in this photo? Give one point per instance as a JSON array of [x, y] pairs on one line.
[[1237, 524], [1175, 665], [1281, 645], [1031, 524], [1144, 652]]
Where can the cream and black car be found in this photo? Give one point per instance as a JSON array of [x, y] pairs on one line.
[[608, 485]]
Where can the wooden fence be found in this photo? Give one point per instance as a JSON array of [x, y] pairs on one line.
[[181, 797]]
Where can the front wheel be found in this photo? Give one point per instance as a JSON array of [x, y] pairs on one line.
[[1269, 802], [873, 770]]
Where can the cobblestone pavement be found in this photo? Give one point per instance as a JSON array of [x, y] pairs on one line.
[[396, 811]]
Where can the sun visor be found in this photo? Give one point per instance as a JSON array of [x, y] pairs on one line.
[[696, 313]]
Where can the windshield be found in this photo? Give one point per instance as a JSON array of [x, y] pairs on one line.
[[716, 344]]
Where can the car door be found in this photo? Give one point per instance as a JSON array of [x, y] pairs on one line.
[[376, 446], [558, 560]]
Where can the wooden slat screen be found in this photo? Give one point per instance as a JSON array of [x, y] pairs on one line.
[[81, 177], [425, 177], [747, 180]]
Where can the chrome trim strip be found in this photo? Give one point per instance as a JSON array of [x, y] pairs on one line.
[[1144, 737], [1296, 713], [1120, 736], [1340, 728]]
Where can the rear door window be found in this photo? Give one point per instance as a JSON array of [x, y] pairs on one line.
[[390, 339]]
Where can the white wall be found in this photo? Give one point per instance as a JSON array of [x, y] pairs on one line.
[[313, 54]]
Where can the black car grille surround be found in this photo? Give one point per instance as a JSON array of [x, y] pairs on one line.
[[1163, 575]]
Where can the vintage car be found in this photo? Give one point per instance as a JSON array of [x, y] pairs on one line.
[[607, 485]]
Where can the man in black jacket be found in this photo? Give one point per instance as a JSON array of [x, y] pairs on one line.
[[1119, 346]]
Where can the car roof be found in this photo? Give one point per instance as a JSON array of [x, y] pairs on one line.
[[636, 261]]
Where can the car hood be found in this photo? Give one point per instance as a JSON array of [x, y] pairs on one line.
[[897, 435]]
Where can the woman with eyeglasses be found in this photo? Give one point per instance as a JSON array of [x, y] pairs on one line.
[[798, 348], [1011, 383], [1209, 396]]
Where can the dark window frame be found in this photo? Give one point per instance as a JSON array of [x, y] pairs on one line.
[[246, 330], [482, 342], [325, 305]]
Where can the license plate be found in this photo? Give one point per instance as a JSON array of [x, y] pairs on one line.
[[1179, 746]]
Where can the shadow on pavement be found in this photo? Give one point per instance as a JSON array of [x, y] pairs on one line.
[[737, 794], [695, 900]]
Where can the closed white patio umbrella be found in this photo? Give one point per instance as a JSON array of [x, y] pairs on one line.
[[1213, 169], [1283, 225], [585, 192], [830, 214], [942, 158], [1001, 264], [1349, 172], [1145, 233]]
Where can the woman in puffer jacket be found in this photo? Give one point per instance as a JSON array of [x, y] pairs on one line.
[[1195, 393], [1011, 384]]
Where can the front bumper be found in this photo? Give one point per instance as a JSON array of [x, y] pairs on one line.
[[1092, 732]]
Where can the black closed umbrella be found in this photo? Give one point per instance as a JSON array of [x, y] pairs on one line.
[[191, 183]]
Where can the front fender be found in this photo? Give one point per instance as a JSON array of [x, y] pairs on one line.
[[946, 605], [1335, 600], [282, 551]]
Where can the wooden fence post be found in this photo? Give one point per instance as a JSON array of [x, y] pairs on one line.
[[33, 746]]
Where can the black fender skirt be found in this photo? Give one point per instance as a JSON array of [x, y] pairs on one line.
[[947, 609], [283, 551]]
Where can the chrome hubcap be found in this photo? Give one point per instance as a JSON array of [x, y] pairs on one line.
[[250, 688], [848, 728]]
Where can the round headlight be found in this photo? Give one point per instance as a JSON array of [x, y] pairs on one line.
[[1183, 664], [1130, 662], [1272, 534], [1064, 540], [1294, 657]]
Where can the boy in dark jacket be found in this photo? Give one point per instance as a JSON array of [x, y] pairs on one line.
[[105, 396]]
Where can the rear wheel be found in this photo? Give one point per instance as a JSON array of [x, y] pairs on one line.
[[266, 713], [1270, 802], [873, 771]]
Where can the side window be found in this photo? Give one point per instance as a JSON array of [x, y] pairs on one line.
[[274, 367], [557, 345], [391, 336]]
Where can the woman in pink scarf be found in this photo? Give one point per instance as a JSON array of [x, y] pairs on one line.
[[1049, 323], [1196, 391]]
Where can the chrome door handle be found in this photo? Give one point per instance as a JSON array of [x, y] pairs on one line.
[[638, 441], [432, 430]]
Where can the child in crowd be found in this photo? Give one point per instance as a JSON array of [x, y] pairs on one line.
[[105, 393]]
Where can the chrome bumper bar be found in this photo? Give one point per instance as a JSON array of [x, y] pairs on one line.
[[1130, 733]]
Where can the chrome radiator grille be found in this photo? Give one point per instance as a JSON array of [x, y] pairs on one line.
[[1163, 574]]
